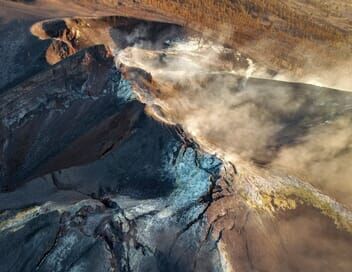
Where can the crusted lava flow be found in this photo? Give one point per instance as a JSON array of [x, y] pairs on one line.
[[124, 185], [157, 152], [264, 186]]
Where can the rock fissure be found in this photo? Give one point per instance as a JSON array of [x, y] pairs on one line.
[[95, 153]]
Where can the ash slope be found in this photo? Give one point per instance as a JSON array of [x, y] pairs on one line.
[[136, 197], [90, 182]]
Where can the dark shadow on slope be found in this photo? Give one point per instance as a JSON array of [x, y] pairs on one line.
[[67, 115], [22, 55]]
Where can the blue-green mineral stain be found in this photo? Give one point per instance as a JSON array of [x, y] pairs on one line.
[[192, 172]]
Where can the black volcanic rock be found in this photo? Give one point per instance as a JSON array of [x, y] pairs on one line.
[[80, 103], [89, 181], [22, 248], [151, 177], [77, 145], [22, 55]]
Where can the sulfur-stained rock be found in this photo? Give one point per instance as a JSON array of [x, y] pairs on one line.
[[99, 172]]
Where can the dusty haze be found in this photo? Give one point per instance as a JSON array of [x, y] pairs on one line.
[[287, 128]]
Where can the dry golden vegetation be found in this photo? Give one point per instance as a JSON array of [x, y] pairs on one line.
[[280, 34]]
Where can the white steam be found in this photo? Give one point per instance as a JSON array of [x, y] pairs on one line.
[[208, 89]]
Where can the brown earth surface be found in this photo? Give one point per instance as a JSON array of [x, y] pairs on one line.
[[299, 40]]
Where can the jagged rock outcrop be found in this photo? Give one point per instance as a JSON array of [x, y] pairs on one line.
[[80, 103], [127, 189], [89, 181]]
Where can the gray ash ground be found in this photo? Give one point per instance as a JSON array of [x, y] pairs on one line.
[[115, 189], [90, 182]]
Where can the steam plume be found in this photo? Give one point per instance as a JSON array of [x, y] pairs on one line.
[[292, 128]]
